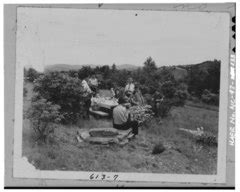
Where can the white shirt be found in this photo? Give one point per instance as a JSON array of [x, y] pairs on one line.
[[130, 87], [86, 87], [120, 115], [93, 81]]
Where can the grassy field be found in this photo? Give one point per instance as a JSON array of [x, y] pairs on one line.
[[182, 154]]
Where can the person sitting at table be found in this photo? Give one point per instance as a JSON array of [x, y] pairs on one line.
[[130, 98], [122, 118], [130, 85]]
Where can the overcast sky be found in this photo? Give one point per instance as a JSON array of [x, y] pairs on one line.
[[48, 36]]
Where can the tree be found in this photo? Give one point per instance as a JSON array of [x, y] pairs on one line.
[[105, 71], [204, 76], [114, 68], [63, 90], [31, 74], [73, 73], [85, 72], [149, 65], [43, 116]]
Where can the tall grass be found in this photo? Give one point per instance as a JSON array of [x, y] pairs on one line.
[[182, 155]]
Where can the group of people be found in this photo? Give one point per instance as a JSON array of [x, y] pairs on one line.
[[131, 92], [129, 96], [121, 116]]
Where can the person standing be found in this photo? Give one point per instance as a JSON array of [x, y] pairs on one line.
[[86, 88], [138, 98], [87, 97], [130, 86], [122, 118], [157, 100], [93, 82]]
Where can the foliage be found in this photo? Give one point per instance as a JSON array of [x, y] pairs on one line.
[[63, 90], [149, 65], [30, 74], [85, 72], [202, 137], [25, 91], [170, 94], [210, 98], [114, 68], [204, 76], [43, 116], [207, 139], [158, 148], [106, 84], [141, 113], [162, 109], [168, 89]]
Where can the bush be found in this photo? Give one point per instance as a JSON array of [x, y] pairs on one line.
[[106, 84], [158, 148], [180, 97], [162, 109], [171, 95], [62, 90], [207, 139], [210, 98], [30, 74], [168, 89], [25, 91], [204, 76], [43, 116]]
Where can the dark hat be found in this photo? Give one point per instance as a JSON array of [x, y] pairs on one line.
[[128, 93], [122, 100]]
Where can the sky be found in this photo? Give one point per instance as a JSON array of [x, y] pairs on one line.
[[47, 36]]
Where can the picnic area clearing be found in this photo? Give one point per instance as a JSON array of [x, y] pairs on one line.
[[181, 155]]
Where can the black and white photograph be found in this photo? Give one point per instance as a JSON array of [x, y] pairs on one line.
[[128, 95]]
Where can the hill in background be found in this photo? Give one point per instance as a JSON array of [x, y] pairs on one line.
[[66, 67]]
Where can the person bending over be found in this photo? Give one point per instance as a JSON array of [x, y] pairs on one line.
[[122, 119]]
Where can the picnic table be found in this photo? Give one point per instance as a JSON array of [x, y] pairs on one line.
[[103, 105], [105, 102]]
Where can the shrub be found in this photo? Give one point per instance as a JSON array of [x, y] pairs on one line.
[[162, 109], [207, 139], [210, 98], [63, 90], [158, 148], [31, 74], [180, 97], [204, 76], [171, 95], [25, 91], [43, 116], [168, 89], [106, 84]]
